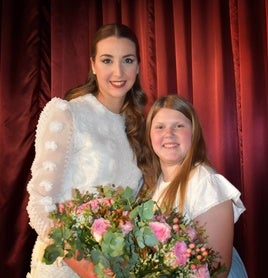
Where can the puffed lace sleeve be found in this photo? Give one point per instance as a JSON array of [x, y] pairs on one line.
[[52, 146]]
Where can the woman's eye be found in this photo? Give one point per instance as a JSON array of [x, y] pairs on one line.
[[129, 61], [107, 61]]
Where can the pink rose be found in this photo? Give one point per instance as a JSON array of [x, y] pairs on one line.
[[161, 230], [99, 227], [180, 251]]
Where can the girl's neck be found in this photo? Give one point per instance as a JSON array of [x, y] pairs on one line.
[[168, 172]]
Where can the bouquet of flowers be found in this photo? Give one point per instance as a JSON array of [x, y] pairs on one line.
[[131, 237]]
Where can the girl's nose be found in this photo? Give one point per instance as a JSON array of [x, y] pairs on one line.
[[169, 131]]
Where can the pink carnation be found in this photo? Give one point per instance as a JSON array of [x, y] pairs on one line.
[[180, 251], [161, 230], [99, 228]]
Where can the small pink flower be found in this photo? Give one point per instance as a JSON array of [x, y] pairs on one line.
[[191, 233], [61, 208], [192, 245], [125, 213], [176, 228], [81, 208], [201, 272], [94, 204], [99, 227], [107, 201], [159, 218], [70, 204], [175, 220], [162, 231], [180, 250], [126, 227]]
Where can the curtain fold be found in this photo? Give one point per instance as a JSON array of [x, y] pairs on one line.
[[24, 88], [212, 52], [249, 30]]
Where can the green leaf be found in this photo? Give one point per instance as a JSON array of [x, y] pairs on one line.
[[133, 214], [149, 237], [128, 193], [139, 237], [113, 244], [52, 252], [146, 210]]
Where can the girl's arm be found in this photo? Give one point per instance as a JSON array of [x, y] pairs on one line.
[[219, 225]]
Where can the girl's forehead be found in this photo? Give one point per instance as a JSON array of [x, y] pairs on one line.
[[166, 113]]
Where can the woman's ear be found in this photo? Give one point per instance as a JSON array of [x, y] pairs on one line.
[[92, 65]]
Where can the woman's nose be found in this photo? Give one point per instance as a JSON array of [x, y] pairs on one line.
[[118, 69]]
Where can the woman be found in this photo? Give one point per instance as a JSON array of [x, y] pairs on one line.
[[178, 166], [91, 138]]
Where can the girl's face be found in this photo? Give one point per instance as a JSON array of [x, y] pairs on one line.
[[116, 67], [171, 135]]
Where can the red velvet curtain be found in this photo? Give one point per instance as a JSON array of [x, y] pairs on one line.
[[214, 52]]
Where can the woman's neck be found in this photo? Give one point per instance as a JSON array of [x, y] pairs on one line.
[[112, 104]]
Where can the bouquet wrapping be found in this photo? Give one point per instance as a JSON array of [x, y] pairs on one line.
[[130, 236]]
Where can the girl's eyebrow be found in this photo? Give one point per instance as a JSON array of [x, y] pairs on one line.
[[125, 56]]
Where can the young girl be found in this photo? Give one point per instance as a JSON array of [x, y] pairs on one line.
[[178, 167], [91, 138]]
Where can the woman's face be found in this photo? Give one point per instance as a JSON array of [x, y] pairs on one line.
[[171, 135], [116, 67]]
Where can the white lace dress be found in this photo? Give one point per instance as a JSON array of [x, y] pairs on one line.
[[205, 190], [79, 144]]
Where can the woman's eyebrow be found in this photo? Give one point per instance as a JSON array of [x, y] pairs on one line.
[[110, 56]]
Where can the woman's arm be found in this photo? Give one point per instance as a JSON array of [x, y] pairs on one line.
[[219, 225], [52, 146]]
